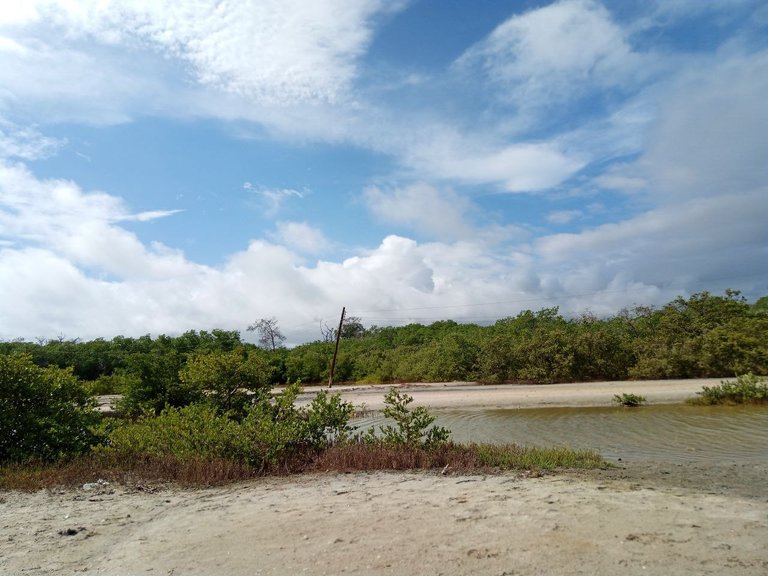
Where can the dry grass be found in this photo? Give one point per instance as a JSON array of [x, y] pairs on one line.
[[456, 458], [353, 457], [36, 476]]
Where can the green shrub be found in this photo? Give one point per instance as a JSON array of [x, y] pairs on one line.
[[746, 389], [155, 384], [45, 413], [272, 433], [226, 379], [119, 382], [630, 400], [196, 431], [412, 427]]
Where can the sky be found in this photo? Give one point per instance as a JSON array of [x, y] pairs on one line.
[[174, 166]]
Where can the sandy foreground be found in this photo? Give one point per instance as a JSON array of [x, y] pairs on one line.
[[636, 518]]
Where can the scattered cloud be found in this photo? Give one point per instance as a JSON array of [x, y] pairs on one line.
[[301, 237], [267, 51], [681, 133], [563, 216], [518, 167], [272, 199], [554, 52], [57, 216], [149, 215], [423, 209], [25, 143]]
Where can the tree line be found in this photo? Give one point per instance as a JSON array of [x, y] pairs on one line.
[[703, 335]]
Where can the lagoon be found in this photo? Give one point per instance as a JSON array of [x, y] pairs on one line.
[[661, 433]]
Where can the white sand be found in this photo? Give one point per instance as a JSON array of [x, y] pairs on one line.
[[387, 523], [472, 395]]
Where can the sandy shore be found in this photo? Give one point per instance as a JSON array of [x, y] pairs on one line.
[[637, 518], [472, 395], [605, 523]]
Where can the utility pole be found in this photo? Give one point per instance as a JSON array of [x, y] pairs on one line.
[[336, 350]]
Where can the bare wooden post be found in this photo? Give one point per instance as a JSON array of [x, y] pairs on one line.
[[336, 350]]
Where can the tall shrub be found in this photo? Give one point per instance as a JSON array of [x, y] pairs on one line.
[[45, 413]]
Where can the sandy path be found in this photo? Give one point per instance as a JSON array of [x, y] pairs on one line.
[[388, 523], [472, 395]]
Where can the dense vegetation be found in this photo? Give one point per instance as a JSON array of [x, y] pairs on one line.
[[700, 336], [208, 441], [200, 406]]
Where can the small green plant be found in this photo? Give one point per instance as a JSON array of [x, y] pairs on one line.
[[746, 389], [630, 400], [412, 426]]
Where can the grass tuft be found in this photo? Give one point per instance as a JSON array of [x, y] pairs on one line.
[[629, 400]]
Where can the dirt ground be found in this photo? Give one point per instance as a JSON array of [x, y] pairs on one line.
[[636, 518]]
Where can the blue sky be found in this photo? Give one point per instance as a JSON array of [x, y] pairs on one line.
[[192, 165]]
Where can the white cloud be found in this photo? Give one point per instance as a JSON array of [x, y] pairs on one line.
[[554, 52], [718, 238], [148, 216], [68, 265], [471, 159], [422, 208], [269, 52], [25, 143], [301, 237], [711, 136], [72, 269], [58, 216], [272, 199], [563, 216]]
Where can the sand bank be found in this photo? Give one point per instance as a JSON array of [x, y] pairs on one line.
[[473, 395], [604, 523]]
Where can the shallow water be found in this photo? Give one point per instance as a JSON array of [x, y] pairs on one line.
[[673, 433]]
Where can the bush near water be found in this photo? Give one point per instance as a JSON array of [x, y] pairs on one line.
[[201, 401], [207, 443], [746, 389]]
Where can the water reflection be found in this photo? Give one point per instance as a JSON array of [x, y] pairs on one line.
[[675, 433]]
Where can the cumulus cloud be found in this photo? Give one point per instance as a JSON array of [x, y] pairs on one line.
[[58, 216], [422, 208], [691, 147], [74, 270], [301, 237]]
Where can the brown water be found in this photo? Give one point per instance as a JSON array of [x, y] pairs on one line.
[[673, 433]]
